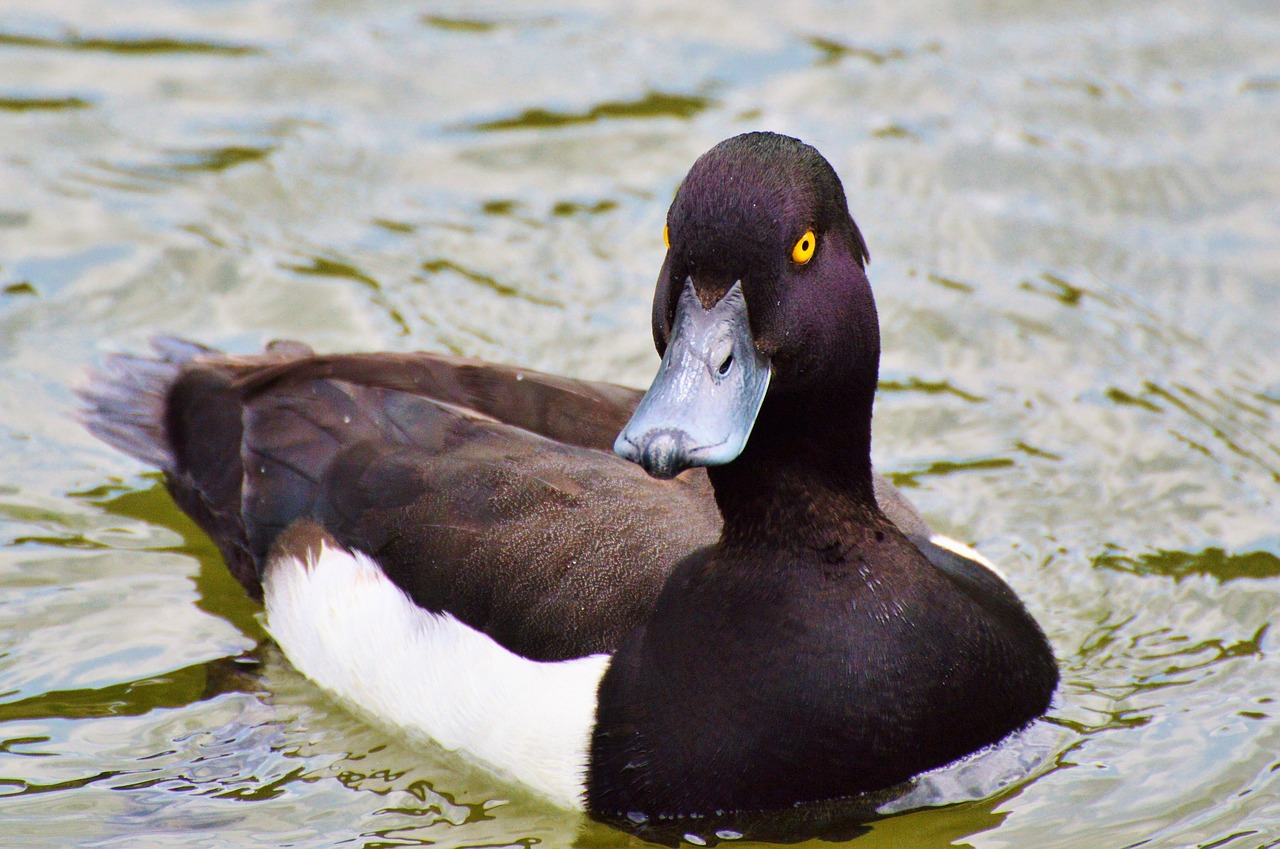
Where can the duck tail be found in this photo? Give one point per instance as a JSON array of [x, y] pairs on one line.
[[126, 400], [180, 411]]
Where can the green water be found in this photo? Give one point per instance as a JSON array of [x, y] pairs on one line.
[[1073, 210]]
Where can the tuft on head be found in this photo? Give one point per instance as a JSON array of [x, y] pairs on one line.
[[757, 179]]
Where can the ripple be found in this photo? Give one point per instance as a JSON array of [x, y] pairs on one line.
[[128, 45], [1264, 85], [323, 267], [949, 467], [832, 51], [468, 25], [440, 265], [132, 698], [928, 387], [655, 104], [950, 283], [1241, 428], [43, 104], [1215, 563], [565, 208], [218, 158]]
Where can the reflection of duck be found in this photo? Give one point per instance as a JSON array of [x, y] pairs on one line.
[[450, 545]]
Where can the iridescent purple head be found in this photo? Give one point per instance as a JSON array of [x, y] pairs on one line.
[[764, 273]]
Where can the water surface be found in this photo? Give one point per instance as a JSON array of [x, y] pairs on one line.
[[1073, 211]]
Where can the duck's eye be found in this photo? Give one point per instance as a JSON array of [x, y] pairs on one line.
[[804, 248], [666, 235]]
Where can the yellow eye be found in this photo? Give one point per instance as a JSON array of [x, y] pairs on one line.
[[666, 235], [803, 251]]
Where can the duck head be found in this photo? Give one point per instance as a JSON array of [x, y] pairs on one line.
[[762, 311]]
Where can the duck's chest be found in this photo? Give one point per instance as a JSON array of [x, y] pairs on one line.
[[772, 688]]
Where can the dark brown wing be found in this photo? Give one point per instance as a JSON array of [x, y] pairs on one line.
[[485, 491], [575, 412], [553, 549]]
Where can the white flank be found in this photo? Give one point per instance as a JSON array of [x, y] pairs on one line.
[[345, 626], [955, 546]]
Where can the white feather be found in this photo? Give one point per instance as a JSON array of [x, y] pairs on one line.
[[348, 628], [955, 546]]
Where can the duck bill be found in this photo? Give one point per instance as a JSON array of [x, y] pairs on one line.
[[707, 393]]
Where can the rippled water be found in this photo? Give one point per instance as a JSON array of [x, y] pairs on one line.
[[1073, 210]]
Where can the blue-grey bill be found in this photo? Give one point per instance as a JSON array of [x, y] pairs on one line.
[[707, 393]]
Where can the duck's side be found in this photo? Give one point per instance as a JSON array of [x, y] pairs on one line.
[[431, 538], [469, 483], [345, 625]]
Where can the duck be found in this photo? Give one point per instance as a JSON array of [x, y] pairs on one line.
[[693, 600]]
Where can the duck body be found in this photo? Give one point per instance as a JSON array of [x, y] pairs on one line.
[[451, 545], [862, 693]]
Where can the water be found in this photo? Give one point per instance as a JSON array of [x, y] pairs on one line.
[[1074, 217]]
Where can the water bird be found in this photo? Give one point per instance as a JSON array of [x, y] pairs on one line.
[[692, 601]]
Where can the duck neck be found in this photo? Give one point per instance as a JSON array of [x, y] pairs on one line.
[[806, 469]]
